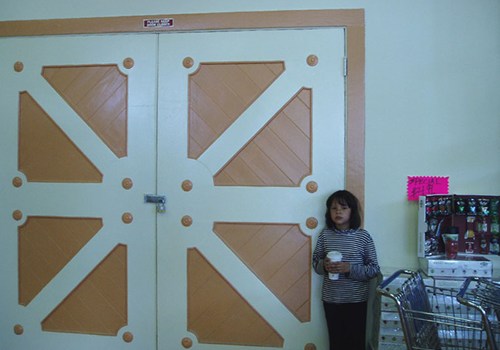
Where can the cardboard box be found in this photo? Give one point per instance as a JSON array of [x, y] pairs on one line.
[[461, 267]]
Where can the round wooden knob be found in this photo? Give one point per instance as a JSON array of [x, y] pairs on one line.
[[18, 66], [187, 185], [187, 220], [312, 223], [18, 329], [310, 346], [128, 62], [311, 187], [188, 62], [128, 337], [127, 183], [17, 215], [17, 181], [127, 218], [312, 60], [187, 343]]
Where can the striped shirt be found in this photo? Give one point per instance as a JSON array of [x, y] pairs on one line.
[[358, 249]]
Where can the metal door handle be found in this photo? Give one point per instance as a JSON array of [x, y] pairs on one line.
[[159, 200]]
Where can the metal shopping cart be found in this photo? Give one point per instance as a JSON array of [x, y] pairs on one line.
[[433, 319], [484, 296]]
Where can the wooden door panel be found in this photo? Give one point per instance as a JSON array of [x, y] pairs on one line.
[[224, 316], [98, 93], [249, 143], [219, 93], [279, 154], [278, 254], [45, 247], [76, 122], [46, 153]]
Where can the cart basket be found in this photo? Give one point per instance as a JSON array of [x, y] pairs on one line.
[[432, 318], [483, 295]]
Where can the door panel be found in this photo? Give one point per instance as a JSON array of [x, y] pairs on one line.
[[250, 144], [78, 116]]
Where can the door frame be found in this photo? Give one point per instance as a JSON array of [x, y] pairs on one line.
[[353, 20]]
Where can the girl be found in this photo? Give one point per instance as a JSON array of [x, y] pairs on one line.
[[345, 299]]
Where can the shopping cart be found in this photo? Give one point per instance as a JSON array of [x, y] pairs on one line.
[[483, 295], [433, 319]]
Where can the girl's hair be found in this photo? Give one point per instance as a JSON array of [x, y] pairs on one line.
[[344, 197]]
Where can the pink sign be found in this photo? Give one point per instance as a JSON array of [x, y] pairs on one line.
[[425, 185]]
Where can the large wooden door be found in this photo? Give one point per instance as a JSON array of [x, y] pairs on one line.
[[242, 131], [250, 144], [78, 151]]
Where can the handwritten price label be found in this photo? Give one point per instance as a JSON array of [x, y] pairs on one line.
[[425, 185]]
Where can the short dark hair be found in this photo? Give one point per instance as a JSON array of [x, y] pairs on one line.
[[344, 197]]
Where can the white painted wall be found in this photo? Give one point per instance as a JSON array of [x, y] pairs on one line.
[[432, 94]]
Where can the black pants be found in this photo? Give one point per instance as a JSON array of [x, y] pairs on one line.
[[346, 325]]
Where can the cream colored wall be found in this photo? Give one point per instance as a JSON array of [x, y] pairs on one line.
[[432, 108], [432, 95]]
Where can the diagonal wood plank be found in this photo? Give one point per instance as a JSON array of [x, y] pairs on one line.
[[219, 93], [218, 314], [279, 154], [98, 94], [279, 255]]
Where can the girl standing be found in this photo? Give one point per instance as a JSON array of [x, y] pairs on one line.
[[345, 299]]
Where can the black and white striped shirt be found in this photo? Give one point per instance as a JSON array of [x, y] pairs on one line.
[[358, 249]]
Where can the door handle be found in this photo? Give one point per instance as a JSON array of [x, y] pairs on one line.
[[159, 200]]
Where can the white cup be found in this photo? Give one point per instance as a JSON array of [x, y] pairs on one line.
[[334, 256]]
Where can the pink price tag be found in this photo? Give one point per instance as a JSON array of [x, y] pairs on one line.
[[425, 185]]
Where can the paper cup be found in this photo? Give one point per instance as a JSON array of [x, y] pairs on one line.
[[334, 256]]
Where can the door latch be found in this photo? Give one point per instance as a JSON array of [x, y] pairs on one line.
[[160, 201]]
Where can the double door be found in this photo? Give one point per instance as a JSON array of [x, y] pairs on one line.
[[163, 191]]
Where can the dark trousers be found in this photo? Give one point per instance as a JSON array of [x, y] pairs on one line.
[[346, 325]]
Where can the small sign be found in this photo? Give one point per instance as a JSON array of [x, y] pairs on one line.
[[425, 185], [158, 23]]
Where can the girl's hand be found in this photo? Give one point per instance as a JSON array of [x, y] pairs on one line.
[[337, 266]]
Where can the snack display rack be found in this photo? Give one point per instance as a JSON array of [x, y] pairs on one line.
[[457, 234]]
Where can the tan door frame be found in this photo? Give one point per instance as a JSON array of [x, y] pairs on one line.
[[353, 20]]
